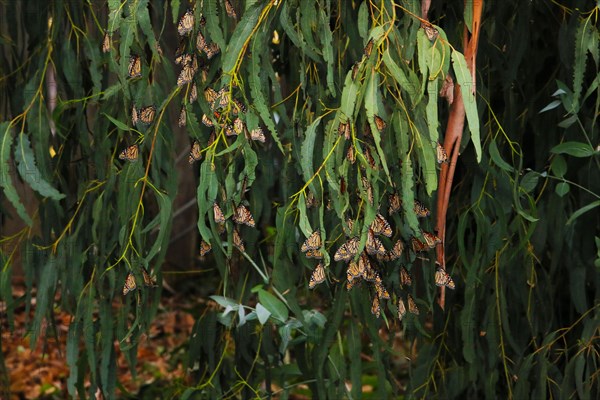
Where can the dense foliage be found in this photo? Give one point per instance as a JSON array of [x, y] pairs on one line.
[[310, 127]]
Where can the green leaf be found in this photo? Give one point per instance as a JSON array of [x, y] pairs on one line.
[[30, 172], [582, 211], [307, 150], [327, 44], [467, 89], [562, 189], [212, 22], [559, 166], [529, 181], [575, 149], [6, 173], [497, 158], [349, 97], [372, 107], [275, 306], [262, 313], [117, 123], [409, 84], [241, 35]]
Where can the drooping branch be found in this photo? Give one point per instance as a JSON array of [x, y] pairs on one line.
[[453, 135]]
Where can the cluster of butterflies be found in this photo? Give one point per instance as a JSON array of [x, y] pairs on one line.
[[241, 216], [362, 268], [130, 284]]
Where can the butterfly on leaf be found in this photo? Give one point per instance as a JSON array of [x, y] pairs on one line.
[[184, 59], [210, 95], [230, 10], [344, 129], [238, 125], [205, 248], [147, 114], [418, 246], [382, 292], [129, 284], [395, 203], [311, 201], [186, 23], [182, 121], [370, 158], [351, 155], [193, 93], [238, 242], [238, 107], [229, 131], [200, 42], [349, 226], [369, 48], [431, 32], [375, 307], [218, 214], [180, 51], [405, 279], [431, 239], [243, 216], [207, 121], [374, 245], [106, 43], [135, 66], [224, 97], [401, 309], [316, 254], [380, 226], [318, 276], [355, 69], [211, 50], [442, 278], [130, 153], [258, 135], [135, 115], [195, 152], [412, 306], [442, 156], [351, 284], [186, 75], [420, 209], [379, 123], [353, 271], [394, 253], [149, 280], [347, 251], [313, 242], [368, 189]]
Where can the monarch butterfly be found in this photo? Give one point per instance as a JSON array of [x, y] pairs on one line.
[[193, 93], [224, 97], [380, 226], [401, 309], [183, 59], [210, 95], [258, 135], [238, 125], [412, 306], [382, 292], [313, 242], [211, 50], [186, 75], [202, 20], [368, 189], [431, 239], [442, 278], [374, 245], [369, 48], [207, 121], [186, 23], [420, 209], [238, 242], [239, 107], [350, 155], [347, 251], [195, 153], [318, 276], [211, 139], [349, 226], [379, 122], [218, 214], [243, 216], [205, 248], [375, 307], [230, 10], [394, 253], [148, 279], [106, 43], [344, 129], [370, 274], [405, 279], [355, 69], [316, 254], [370, 158], [311, 201], [135, 66], [353, 271], [147, 114], [367, 132], [179, 52], [130, 153], [418, 246], [134, 115], [129, 284], [431, 32], [229, 131], [200, 42], [395, 203], [182, 121], [351, 284], [364, 267], [442, 156]]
